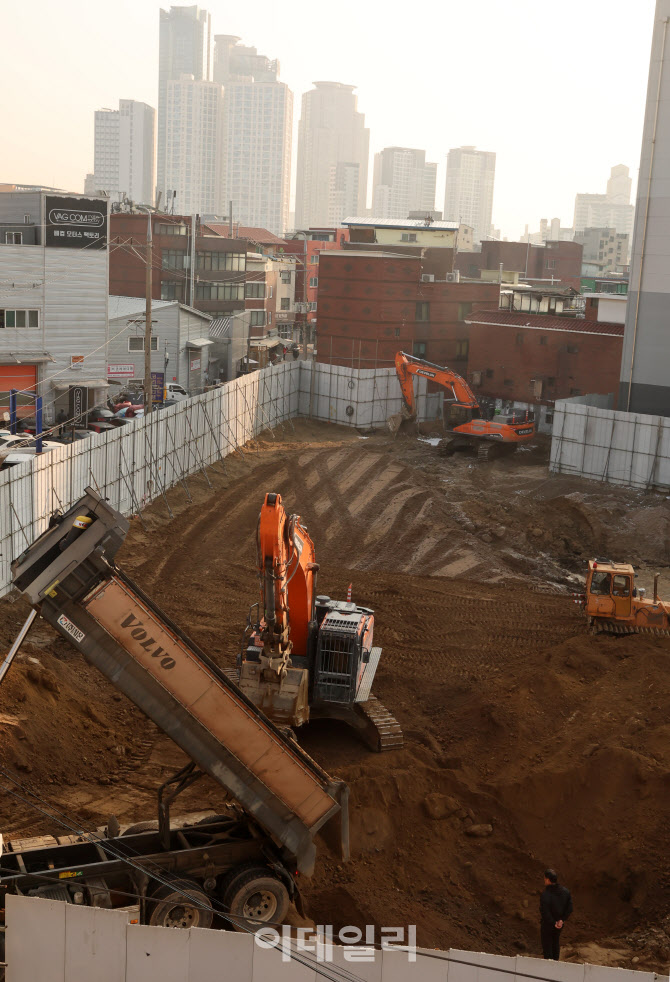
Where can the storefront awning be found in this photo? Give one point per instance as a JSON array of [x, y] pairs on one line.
[[198, 343], [88, 383], [31, 357]]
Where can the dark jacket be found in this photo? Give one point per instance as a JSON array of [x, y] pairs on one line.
[[555, 904]]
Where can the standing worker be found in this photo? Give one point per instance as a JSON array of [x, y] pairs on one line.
[[555, 908]]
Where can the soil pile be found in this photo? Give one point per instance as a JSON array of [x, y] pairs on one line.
[[528, 742]]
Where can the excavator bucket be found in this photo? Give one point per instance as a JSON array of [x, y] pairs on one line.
[[394, 422]]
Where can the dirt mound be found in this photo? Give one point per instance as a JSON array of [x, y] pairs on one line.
[[528, 742]]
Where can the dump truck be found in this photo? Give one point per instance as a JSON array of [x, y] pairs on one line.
[[614, 605], [304, 655], [242, 862]]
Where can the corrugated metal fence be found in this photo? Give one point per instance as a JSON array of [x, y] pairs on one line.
[[138, 463]]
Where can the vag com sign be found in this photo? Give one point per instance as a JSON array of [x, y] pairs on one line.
[[75, 223]]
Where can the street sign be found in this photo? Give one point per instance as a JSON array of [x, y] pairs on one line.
[[157, 386], [78, 395], [116, 371]]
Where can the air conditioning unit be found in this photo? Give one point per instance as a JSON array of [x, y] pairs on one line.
[[427, 278], [454, 277]]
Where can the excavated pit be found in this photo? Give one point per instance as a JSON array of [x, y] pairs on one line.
[[514, 717]]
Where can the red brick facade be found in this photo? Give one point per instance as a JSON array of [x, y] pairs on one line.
[[540, 358], [562, 260], [372, 305]]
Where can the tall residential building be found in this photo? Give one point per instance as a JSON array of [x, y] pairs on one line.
[[193, 145], [610, 210], [258, 132], [645, 379], [333, 151], [468, 195], [185, 48], [402, 182], [125, 152]]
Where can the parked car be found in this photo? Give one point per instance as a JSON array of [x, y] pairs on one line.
[[69, 436], [19, 440], [174, 391], [12, 457]]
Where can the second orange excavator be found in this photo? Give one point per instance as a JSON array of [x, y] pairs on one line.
[[463, 421], [306, 656]]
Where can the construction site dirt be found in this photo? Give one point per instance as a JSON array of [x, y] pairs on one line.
[[528, 741]]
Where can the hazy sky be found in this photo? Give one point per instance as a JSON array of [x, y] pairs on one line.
[[557, 90]]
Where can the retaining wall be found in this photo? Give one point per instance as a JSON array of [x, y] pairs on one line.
[[606, 445], [51, 941], [137, 463]]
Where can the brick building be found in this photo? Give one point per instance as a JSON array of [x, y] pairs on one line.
[[307, 245], [538, 358], [375, 303], [553, 262]]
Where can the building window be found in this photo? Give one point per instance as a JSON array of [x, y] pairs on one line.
[[549, 418], [572, 349], [551, 264], [174, 259], [397, 332], [543, 339], [312, 305], [464, 310], [137, 343], [462, 348], [314, 259], [16, 238], [19, 318], [422, 311], [219, 291], [419, 349], [408, 237], [285, 303], [171, 290], [173, 229], [255, 291], [489, 373], [575, 392], [257, 318], [551, 380], [285, 331], [314, 281], [509, 382], [285, 277], [235, 261]]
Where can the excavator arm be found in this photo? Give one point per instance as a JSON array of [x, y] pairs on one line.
[[407, 366], [287, 570]]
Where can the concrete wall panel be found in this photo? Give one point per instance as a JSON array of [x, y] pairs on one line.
[[268, 964], [35, 940], [95, 943], [214, 955], [157, 954], [430, 966]]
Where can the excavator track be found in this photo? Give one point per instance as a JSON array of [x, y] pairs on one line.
[[612, 627], [382, 727]]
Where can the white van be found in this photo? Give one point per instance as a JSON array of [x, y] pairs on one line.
[[173, 390]]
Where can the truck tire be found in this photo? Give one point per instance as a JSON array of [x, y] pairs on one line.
[[141, 827], [167, 905], [255, 897]]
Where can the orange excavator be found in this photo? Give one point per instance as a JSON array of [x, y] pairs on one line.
[[614, 605], [306, 656], [463, 421]]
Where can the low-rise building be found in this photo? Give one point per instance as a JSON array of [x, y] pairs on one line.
[[604, 246], [375, 303], [533, 359], [555, 263], [53, 298], [180, 344], [307, 245]]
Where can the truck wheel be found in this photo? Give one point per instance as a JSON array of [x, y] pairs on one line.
[[255, 897], [168, 905], [141, 827]]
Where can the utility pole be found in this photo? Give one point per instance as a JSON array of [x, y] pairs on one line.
[[147, 320]]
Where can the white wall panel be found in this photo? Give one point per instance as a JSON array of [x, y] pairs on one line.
[[95, 943], [156, 954], [35, 940], [217, 955]]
